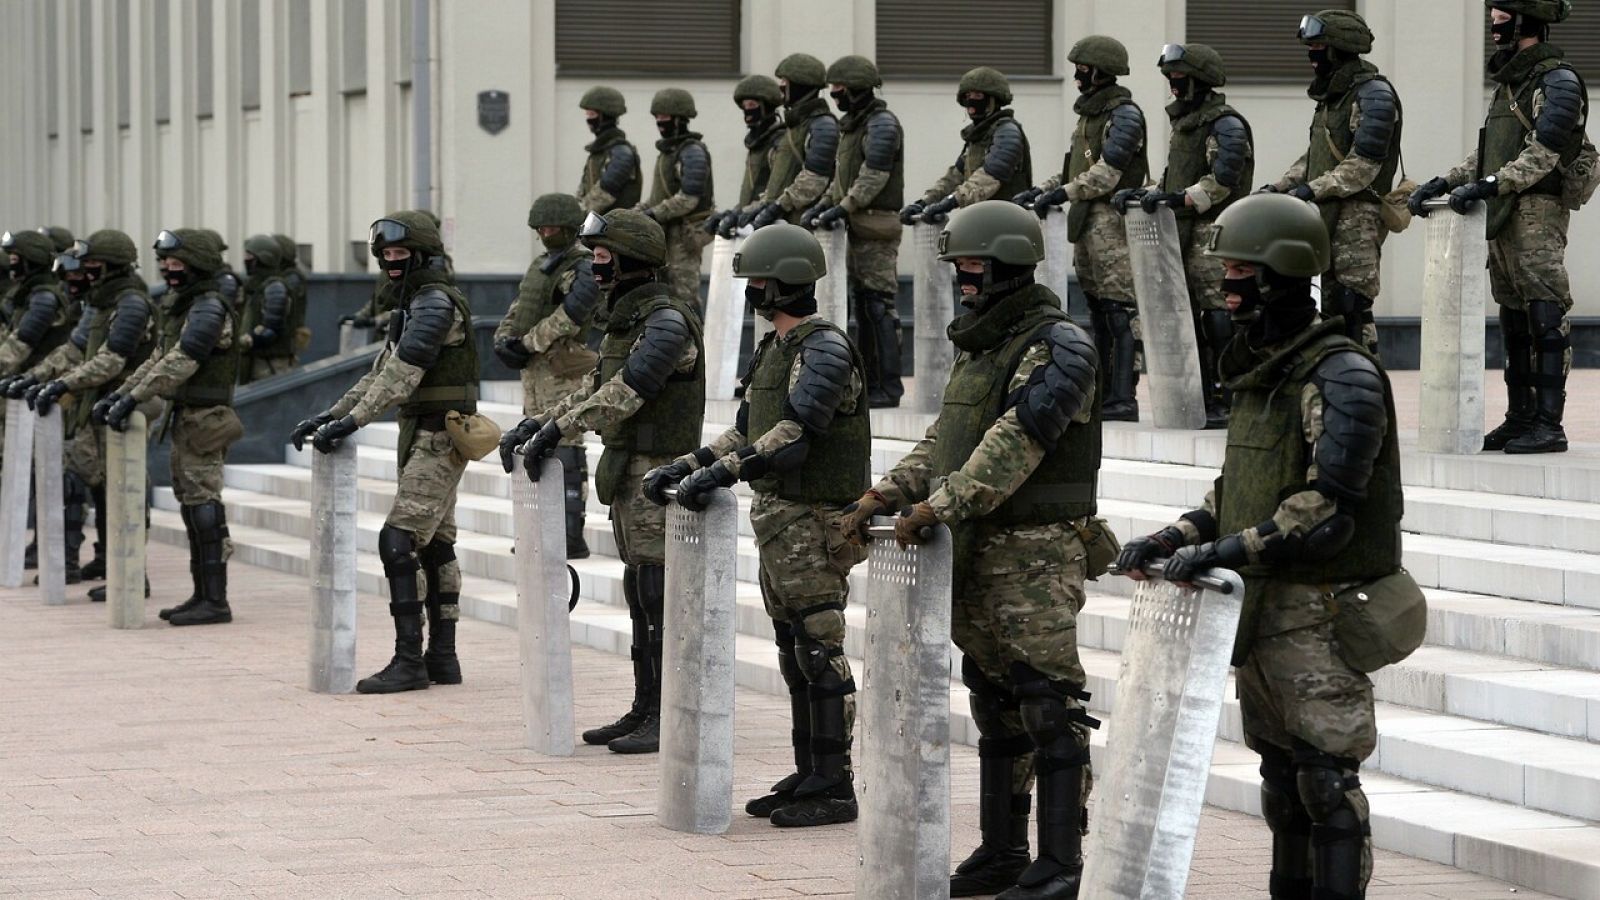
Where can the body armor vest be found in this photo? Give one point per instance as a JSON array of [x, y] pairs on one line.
[[979, 136], [1510, 121], [212, 383], [836, 464], [595, 166], [853, 155], [670, 423], [1088, 145]]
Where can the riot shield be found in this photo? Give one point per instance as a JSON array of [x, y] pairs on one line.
[[1056, 272], [49, 531], [331, 667], [903, 780], [833, 291], [543, 588], [1162, 732], [125, 515], [14, 476], [933, 287], [1455, 283], [724, 320], [1177, 391]]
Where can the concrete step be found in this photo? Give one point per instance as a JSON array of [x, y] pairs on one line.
[[1544, 851]]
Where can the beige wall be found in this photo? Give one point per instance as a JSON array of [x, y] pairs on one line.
[[322, 166]]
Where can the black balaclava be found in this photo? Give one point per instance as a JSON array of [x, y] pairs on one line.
[[600, 123], [621, 273], [1324, 61], [755, 119], [997, 281], [1190, 93], [77, 284], [560, 240], [849, 100], [798, 300], [1092, 79], [1519, 26], [673, 127], [178, 280], [398, 269], [978, 110], [794, 94], [1272, 307]]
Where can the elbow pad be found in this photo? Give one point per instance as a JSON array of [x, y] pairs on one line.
[[1007, 150], [826, 363], [1354, 419], [128, 325], [1563, 109], [696, 163], [43, 307], [80, 332], [1233, 150], [427, 324], [1380, 115], [1124, 136], [202, 330], [822, 142], [656, 356], [1057, 390], [882, 143]]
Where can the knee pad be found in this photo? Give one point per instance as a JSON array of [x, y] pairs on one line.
[[1280, 796], [816, 664], [207, 517], [1545, 320], [1322, 780], [398, 551], [788, 663], [437, 553]]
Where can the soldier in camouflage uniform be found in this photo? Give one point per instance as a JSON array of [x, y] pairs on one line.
[[228, 282], [429, 370], [994, 161], [194, 367], [611, 176], [1108, 155], [1350, 165], [380, 306], [758, 98], [42, 314], [542, 336], [681, 193], [803, 159], [1533, 133], [1307, 506], [647, 400], [866, 195], [803, 442], [274, 312], [1210, 164], [1011, 465]]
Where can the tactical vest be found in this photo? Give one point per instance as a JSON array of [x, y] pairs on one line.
[[293, 320], [599, 155], [536, 300], [669, 175], [1332, 136], [1187, 163], [1088, 144], [835, 467], [980, 137], [1267, 459], [853, 155], [99, 330], [1510, 120], [789, 152], [451, 383], [760, 148], [668, 424], [212, 383]]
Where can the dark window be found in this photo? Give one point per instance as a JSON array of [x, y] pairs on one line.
[[204, 72], [947, 37], [250, 54], [355, 46], [1578, 37], [612, 38], [299, 47], [161, 62], [1259, 40]]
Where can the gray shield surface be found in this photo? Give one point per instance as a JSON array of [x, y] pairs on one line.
[[543, 589], [724, 320], [14, 477], [331, 666], [833, 291], [1158, 748], [1177, 393], [48, 515], [696, 788], [1455, 286], [933, 290], [903, 778], [1056, 271], [125, 479]]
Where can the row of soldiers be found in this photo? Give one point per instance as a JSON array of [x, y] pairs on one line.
[[806, 167]]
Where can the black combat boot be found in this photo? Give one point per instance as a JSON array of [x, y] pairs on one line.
[[1290, 825], [95, 569], [444, 610], [1121, 403], [1549, 382], [646, 737], [799, 730], [1057, 871], [827, 796], [186, 512], [1002, 821], [1517, 341], [210, 534], [406, 671], [643, 674], [575, 473]]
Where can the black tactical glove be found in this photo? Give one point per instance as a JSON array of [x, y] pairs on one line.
[[117, 416], [305, 429], [1431, 189], [31, 395], [831, 218], [694, 492], [48, 395], [713, 223], [1154, 200], [808, 219], [331, 434], [511, 440], [1027, 197], [728, 225], [97, 413], [769, 214], [512, 352], [17, 387], [748, 215], [657, 480], [1121, 200], [542, 444], [1141, 551], [1048, 200], [1189, 562], [356, 321], [1268, 189], [1462, 198], [1303, 192], [910, 212], [938, 211]]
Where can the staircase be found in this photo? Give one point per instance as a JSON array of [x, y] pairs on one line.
[[1489, 736]]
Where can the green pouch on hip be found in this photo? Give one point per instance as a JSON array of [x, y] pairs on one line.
[[609, 474], [1381, 622], [1100, 545]]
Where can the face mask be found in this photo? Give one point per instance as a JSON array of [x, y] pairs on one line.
[[596, 124], [18, 270], [978, 280], [1504, 33], [754, 117], [841, 99], [76, 286], [1321, 61], [1249, 291], [668, 129], [250, 266], [758, 300], [605, 273], [558, 241], [177, 279], [397, 268], [94, 274], [1085, 80]]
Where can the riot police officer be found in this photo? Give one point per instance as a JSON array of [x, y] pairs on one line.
[[273, 312], [42, 314], [994, 161], [611, 173], [681, 194], [758, 98], [803, 161]]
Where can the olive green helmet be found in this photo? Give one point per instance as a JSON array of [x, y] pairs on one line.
[[60, 238], [264, 247], [988, 81], [198, 248], [288, 251], [1101, 52], [607, 101], [627, 232], [758, 87], [112, 247], [555, 210], [673, 102], [802, 68], [1341, 29], [786, 252], [856, 73], [412, 229], [993, 229], [215, 235], [1275, 230], [1197, 61], [31, 246], [1543, 10]]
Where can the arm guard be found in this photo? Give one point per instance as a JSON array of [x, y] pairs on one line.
[[80, 332], [822, 142], [656, 355], [619, 169], [825, 366], [128, 325], [1380, 112], [43, 307], [580, 302], [1005, 150], [1233, 150], [228, 284], [882, 141], [202, 330], [1354, 418], [274, 306], [1057, 391], [1124, 136], [1563, 109], [696, 171], [427, 324]]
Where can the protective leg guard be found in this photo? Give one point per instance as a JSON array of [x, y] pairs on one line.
[[1002, 815], [643, 674], [883, 321], [194, 568], [1216, 332], [74, 515], [827, 796], [1291, 827], [1517, 341], [799, 731], [575, 472], [1340, 833], [210, 532], [95, 569], [406, 671], [1551, 358], [1356, 310], [651, 584], [444, 609], [1101, 327], [1061, 751], [1121, 403]]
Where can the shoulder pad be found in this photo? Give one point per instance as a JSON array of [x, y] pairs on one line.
[[276, 289], [1562, 113], [202, 329], [1124, 136], [43, 308], [822, 142], [826, 363], [428, 318], [80, 332], [1006, 148], [1354, 419], [1057, 390], [1233, 150], [655, 356], [1380, 114], [128, 324], [583, 297]]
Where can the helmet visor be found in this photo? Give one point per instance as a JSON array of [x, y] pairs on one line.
[[69, 261], [166, 242], [594, 225], [385, 232], [7, 241], [1313, 29], [1171, 54]]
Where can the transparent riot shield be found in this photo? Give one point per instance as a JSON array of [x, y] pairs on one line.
[[126, 472], [49, 517], [933, 290], [544, 632], [331, 667], [1455, 285], [14, 477], [903, 778], [1163, 729], [833, 291], [1177, 391], [696, 788], [1056, 273], [724, 320]]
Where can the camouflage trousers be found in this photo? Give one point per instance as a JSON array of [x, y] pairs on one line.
[[639, 526], [425, 502], [1357, 237], [1527, 261], [1100, 255], [200, 441], [85, 454], [685, 243], [873, 265], [1203, 273], [267, 366]]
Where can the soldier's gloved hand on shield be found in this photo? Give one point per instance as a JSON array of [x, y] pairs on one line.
[[362, 321], [117, 416], [1189, 562], [331, 434], [694, 492], [1048, 201], [102, 407], [1121, 200], [808, 219], [1154, 200], [728, 225], [512, 352], [305, 429], [832, 218], [713, 223], [511, 440], [1267, 189], [18, 386], [542, 444], [910, 212], [747, 216], [1027, 197], [914, 525], [1142, 551], [48, 395], [938, 212], [31, 396], [767, 215], [1433, 188], [1303, 192], [1462, 198], [657, 480], [858, 515]]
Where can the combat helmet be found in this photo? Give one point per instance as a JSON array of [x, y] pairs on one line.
[[412, 229], [30, 246], [61, 238], [1197, 61], [627, 232], [782, 251], [1341, 29], [555, 210], [1275, 230], [196, 248], [110, 246], [758, 87], [993, 229], [802, 69], [855, 72], [264, 247], [1102, 52], [607, 101], [675, 102], [984, 80], [288, 252], [1543, 10]]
